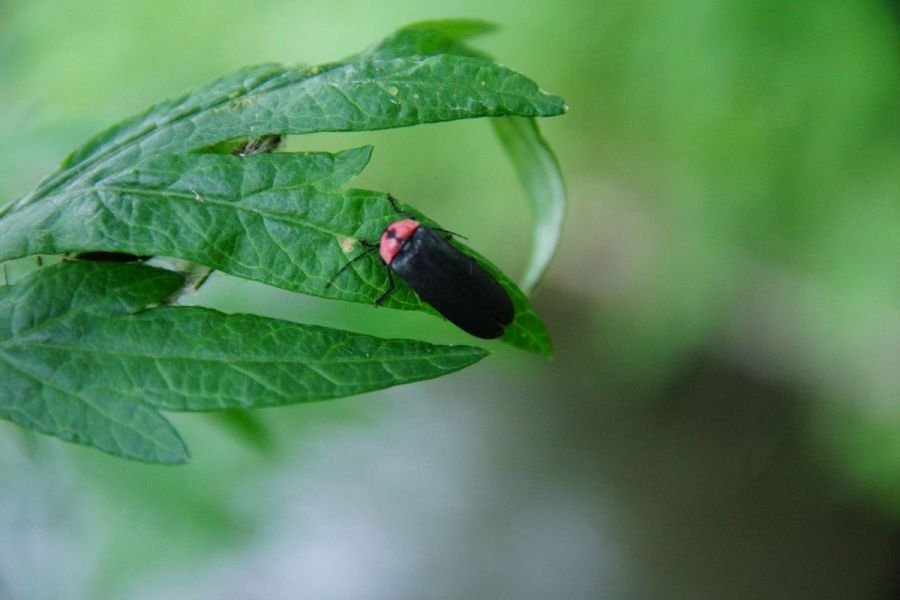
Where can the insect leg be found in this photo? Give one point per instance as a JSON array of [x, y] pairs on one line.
[[391, 287]]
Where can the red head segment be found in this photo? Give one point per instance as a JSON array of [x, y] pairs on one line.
[[394, 237]]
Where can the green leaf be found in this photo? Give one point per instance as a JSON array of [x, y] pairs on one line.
[[85, 356], [542, 179], [281, 218]]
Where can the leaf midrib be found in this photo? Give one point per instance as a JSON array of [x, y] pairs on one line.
[[217, 201], [220, 360]]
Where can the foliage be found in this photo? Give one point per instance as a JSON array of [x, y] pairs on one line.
[[92, 358]]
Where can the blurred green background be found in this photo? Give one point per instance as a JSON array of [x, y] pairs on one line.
[[722, 418]]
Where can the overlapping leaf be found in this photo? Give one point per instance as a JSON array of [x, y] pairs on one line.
[[87, 356], [282, 219], [279, 218]]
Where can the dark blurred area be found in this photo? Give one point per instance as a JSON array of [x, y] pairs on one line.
[[721, 418]]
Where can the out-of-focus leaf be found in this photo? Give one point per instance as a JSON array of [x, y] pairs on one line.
[[247, 426], [85, 356], [544, 187], [445, 36]]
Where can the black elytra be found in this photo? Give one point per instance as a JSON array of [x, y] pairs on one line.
[[452, 282]]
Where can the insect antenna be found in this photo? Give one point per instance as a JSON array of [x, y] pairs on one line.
[[370, 248], [449, 234], [409, 215], [396, 207]]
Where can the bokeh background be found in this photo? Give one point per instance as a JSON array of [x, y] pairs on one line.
[[722, 418]]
